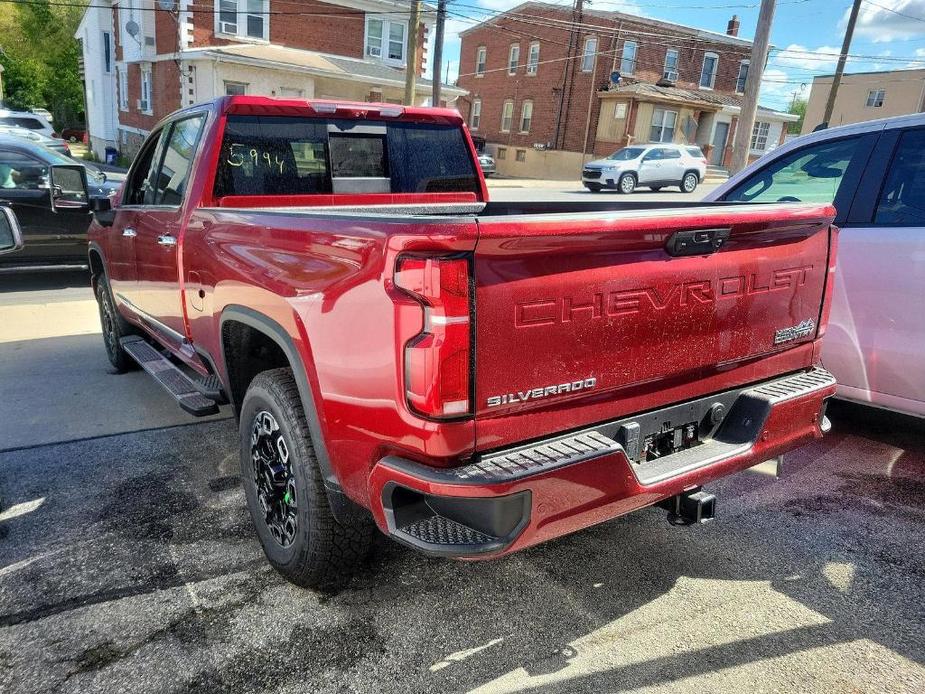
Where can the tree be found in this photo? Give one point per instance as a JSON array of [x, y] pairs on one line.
[[24, 82], [798, 108], [40, 57]]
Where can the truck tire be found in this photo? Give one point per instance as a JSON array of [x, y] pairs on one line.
[[285, 491], [115, 327]]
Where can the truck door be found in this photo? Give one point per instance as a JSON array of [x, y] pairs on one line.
[[120, 241], [158, 232]]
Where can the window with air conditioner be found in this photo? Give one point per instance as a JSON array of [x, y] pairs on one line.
[[671, 65], [248, 19], [386, 39]]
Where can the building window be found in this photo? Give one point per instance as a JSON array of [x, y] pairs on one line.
[[235, 88], [122, 74], [875, 97], [502, 153], [628, 61], [521, 155], [760, 136], [526, 116], [513, 59], [476, 116], [243, 18], [708, 73], [144, 103], [663, 122], [743, 76], [386, 39], [481, 55], [533, 58], [107, 52], [507, 116], [587, 57], [671, 65]]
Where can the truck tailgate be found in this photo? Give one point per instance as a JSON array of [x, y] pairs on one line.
[[582, 317]]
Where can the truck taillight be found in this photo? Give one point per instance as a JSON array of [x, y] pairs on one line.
[[437, 360]]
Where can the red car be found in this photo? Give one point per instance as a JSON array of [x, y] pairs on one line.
[[472, 378]]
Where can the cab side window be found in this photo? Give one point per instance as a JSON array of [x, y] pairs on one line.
[[179, 151], [810, 174], [654, 155], [139, 189], [902, 199]]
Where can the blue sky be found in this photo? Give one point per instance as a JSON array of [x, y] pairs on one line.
[[806, 33]]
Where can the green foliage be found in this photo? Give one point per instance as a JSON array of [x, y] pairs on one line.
[[24, 82], [798, 107], [40, 58]]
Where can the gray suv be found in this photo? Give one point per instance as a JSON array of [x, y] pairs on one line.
[[654, 166]]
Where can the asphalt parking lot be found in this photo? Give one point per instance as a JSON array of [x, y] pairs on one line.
[[128, 562]]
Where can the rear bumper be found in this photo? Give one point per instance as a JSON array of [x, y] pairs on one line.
[[511, 499]]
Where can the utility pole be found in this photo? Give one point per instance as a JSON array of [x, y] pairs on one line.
[[840, 68], [438, 51], [743, 135], [411, 61]]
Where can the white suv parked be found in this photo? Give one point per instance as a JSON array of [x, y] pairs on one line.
[[654, 166], [28, 120]]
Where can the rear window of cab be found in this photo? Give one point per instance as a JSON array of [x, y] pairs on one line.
[[283, 155]]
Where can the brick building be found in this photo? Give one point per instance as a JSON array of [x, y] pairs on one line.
[[146, 58], [551, 86]]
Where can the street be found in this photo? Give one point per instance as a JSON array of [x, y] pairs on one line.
[[128, 561], [501, 189]]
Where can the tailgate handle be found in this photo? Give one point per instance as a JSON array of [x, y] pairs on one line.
[[696, 241]]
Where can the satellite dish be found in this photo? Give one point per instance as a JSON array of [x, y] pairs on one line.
[[169, 5], [132, 28]]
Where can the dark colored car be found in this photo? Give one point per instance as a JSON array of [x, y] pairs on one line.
[[52, 234]]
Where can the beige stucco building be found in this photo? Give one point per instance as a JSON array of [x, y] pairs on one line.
[[866, 96]]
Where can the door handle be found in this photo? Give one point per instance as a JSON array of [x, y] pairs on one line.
[[166, 240], [130, 233], [696, 242]]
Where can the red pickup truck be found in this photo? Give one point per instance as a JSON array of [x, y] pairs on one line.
[[471, 377]]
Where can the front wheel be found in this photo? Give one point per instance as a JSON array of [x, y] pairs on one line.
[[689, 183], [627, 183], [285, 491], [115, 327]]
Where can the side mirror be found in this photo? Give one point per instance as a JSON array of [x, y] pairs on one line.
[[102, 211], [10, 234], [68, 183]]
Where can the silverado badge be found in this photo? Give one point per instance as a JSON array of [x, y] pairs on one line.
[[804, 328]]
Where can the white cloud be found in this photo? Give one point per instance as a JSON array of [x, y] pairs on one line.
[[889, 19], [818, 60]]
